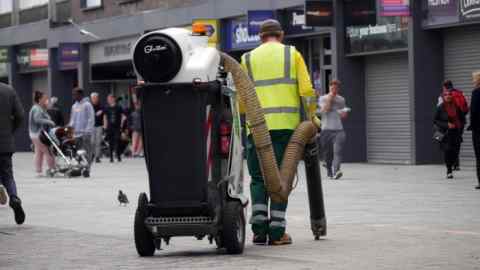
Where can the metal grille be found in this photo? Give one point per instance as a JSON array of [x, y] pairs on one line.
[[389, 118], [462, 56], [178, 220]]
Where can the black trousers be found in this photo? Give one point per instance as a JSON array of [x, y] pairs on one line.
[[113, 137], [451, 148], [6, 174], [476, 148]]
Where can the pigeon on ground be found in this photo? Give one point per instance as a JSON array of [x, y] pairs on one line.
[[122, 198]]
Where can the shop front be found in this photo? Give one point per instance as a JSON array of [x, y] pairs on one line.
[[111, 70], [459, 23], [377, 39], [314, 43]]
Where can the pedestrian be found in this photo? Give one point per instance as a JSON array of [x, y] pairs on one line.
[[475, 121], [98, 130], [82, 120], [39, 120], [448, 123], [282, 79], [136, 127], [114, 119], [332, 138], [461, 102], [11, 116], [55, 112]]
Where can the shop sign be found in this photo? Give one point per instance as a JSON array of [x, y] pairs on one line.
[[294, 22], [389, 36], [3, 55], [213, 27], [256, 18], [470, 9], [394, 8], [237, 36], [69, 55], [32, 58], [319, 13], [112, 51], [442, 12]]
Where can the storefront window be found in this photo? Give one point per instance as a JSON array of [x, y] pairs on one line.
[[6, 6], [24, 4], [381, 32], [440, 12]]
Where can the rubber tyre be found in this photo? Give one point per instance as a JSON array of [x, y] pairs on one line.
[[143, 237], [233, 231]]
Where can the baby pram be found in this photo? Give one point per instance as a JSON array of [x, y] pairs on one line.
[[69, 160]]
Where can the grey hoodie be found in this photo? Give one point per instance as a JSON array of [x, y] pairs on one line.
[[82, 118]]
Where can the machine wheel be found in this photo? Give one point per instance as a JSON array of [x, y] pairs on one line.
[[233, 231], [143, 237]]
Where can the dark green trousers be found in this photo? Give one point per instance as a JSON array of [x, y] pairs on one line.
[[263, 224]]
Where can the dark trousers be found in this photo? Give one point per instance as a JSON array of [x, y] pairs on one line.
[[113, 137], [6, 174], [261, 223], [451, 148], [476, 148]]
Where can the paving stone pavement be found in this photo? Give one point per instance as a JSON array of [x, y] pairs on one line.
[[379, 217]]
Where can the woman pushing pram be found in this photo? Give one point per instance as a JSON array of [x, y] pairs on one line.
[[70, 160]]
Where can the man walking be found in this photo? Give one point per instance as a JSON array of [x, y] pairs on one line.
[[11, 116], [332, 137], [98, 129], [113, 122], [82, 119], [281, 78], [461, 102]]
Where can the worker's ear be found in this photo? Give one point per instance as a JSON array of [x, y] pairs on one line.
[[281, 37]]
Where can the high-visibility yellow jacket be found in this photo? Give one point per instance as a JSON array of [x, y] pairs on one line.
[[281, 78]]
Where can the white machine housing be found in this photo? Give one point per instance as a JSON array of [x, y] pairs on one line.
[[200, 63]]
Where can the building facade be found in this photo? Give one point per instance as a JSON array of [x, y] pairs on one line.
[[391, 59]]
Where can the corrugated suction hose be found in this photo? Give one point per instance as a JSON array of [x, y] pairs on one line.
[[278, 181]]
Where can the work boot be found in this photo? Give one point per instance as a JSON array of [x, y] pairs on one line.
[[284, 240], [338, 175], [97, 160], [259, 239], [16, 205], [477, 187], [3, 195]]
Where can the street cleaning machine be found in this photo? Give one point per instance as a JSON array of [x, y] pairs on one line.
[[193, 144]]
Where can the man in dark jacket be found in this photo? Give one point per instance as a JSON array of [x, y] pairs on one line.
[[56, 113], [11, 116], [475, 121]]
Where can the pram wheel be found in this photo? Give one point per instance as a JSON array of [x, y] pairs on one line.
[[50, 173], [143, 237], [233, 231], [86, 173]]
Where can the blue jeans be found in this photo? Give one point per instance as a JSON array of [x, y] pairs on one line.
[[6, 174]]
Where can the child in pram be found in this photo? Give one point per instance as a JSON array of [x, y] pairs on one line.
[[69, 160]]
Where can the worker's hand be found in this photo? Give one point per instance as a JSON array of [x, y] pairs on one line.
[[451, 125], [317, 121], [343, 115], [140, 82]]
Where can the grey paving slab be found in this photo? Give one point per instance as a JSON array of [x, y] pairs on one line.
[[380, 217]]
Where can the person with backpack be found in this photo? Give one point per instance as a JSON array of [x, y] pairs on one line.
[[458, 98]]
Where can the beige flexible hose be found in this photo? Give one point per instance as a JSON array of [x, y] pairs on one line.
[[278, 181]]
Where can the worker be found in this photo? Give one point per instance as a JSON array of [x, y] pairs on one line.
[[282, 84]]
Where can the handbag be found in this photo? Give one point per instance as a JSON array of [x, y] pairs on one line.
[[439, 136]]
